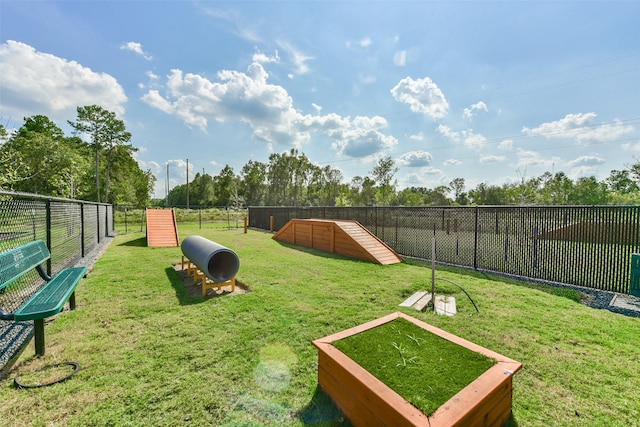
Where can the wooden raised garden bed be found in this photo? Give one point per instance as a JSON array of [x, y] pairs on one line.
[[368, 401]]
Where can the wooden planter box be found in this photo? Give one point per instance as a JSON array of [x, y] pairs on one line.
[[366, 401]]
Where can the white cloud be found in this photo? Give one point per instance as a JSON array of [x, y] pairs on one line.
[[492, 159], [586, 161], [418, 158], [417, 137], [263, 58], [423, 96], [452, 162], [526, 158], [581, 128], [267, 108], [361, 137], [299, 60], [582, 171], [242, 29], [136, 48], [468, 113], [447, 132], [400, 58], [473, 140], [506, 145], [362, 43], [631, 147], [427, 176], [243, 96], [40, 83]]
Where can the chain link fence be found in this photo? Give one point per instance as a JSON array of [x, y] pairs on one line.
[[132, 219], [588, 246], [71, 229]]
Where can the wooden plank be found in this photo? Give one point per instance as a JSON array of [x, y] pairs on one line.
[[346, 238], [385, 404], [358, 414], [413, 299], [422, 302]]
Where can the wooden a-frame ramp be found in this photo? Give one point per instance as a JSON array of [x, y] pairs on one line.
[[347, 238], [162, 229]]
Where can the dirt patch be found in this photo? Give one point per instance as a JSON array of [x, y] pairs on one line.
[[195, 290]]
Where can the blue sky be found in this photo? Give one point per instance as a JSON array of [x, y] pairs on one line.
[[491, 92]]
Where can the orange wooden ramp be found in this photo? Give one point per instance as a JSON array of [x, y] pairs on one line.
[[346, 238], [162, 229]]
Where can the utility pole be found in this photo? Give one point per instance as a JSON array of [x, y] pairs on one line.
[[166, 188], [187, 184]]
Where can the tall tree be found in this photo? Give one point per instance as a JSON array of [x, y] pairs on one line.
[[39, 159], [225, 186], [383, 174], [105, 132], [588, 191], [253, 182], [556, 189], [459, 195]]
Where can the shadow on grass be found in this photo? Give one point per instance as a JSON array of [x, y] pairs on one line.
[[176, 283], [140, 242], [321, 411], [511, 422]]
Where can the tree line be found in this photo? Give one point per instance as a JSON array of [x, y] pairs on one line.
[[39, 158], [291, 179], [96, 163]]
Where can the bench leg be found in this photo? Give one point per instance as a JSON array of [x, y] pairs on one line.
[[38, 336], [72, 301]]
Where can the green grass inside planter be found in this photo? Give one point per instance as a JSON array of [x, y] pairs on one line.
[[422, 367]]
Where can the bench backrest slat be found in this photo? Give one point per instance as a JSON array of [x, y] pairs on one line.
[[16, 262]]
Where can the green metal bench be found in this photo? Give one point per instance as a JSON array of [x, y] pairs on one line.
[[46, 301]]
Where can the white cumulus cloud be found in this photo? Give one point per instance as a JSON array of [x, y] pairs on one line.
[[34, 82], [447, 132], [263, 58], [267, 108], [136, 47], [418, 158], [582, 128], [586, 161], [468, 113], [422, 95]]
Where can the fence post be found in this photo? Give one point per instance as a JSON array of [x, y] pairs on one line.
[[48, 222], [475, 240], [82, 248], [98, 222]]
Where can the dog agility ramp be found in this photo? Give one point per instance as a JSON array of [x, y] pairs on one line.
[[342, 237]]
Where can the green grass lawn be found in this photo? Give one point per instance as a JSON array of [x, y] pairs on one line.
[[151, 355]]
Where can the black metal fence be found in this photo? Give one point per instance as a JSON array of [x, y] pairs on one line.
[[589, 246], [128, 218], [70, 228]]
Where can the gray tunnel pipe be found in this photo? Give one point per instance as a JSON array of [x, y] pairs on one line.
[[219, 263]]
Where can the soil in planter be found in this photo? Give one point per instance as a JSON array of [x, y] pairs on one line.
[[425, 369]]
